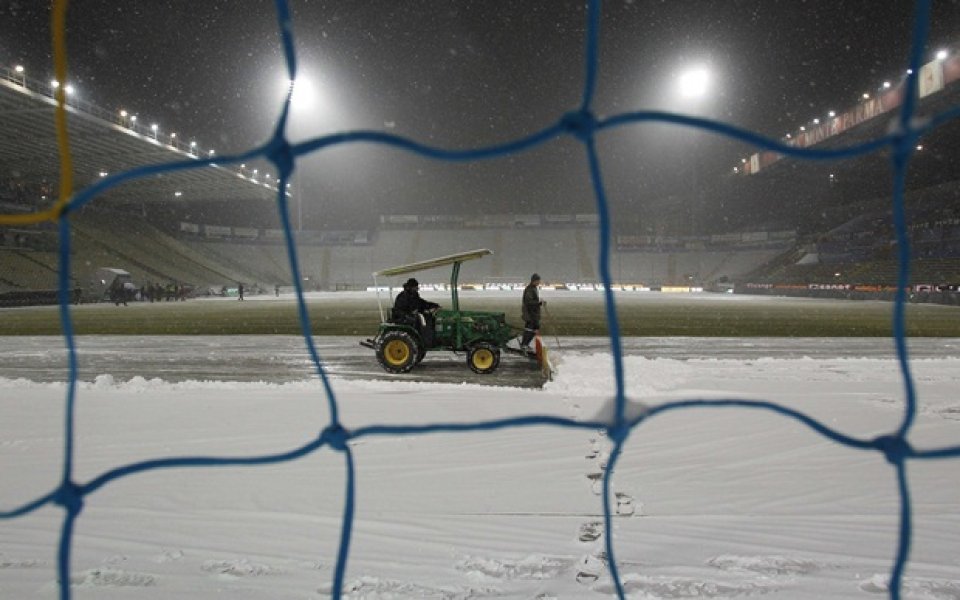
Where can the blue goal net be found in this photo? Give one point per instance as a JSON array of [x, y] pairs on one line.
[[581, 124]]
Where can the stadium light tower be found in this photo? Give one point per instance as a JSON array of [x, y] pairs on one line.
[[692, 88], [311, 112], [303, 99]]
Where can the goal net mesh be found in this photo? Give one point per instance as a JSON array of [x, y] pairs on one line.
[[581, 124]]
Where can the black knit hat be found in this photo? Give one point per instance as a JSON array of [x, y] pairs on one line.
[[411, 283], [534, 277]]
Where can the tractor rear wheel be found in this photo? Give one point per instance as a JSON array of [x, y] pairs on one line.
[[397, 352], [483, 358]]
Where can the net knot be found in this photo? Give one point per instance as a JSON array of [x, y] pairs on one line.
[[336, 437], [894, 448], [618, 433], [280, 152], [70, 497], [579, 123]]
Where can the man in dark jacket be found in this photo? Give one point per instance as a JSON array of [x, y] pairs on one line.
[[531, 312], [410, 307]]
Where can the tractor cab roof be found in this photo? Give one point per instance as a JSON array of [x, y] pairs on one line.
[[423, 265], [441, 261]]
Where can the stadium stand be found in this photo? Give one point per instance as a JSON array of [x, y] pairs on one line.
[[153, 254], [858, 253]]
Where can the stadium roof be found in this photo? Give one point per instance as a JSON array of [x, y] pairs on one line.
[[946, 135], [102, 142]]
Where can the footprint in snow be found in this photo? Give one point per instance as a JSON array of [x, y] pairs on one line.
[[914, 587], [590, 532], [591, 567], [112, 578]]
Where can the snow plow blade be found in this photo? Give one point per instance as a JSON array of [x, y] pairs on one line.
[[543, 359], [539, 353]]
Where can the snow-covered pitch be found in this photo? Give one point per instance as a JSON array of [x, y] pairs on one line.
[[708, 502]]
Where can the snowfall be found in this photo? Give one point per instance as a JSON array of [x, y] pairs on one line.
[[705, 502]]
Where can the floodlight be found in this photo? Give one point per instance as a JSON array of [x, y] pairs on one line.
[[693, 83]]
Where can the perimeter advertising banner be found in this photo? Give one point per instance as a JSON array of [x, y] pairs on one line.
[[216, 231], [400, 219], [246, 232]]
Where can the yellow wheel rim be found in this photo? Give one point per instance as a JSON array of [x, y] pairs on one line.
[[396, 352], [483, 359]]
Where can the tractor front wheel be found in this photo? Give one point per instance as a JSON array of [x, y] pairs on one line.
[[397, 352], [483, 358]]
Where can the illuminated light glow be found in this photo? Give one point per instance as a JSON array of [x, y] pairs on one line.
[[211, 153], [942, 54], [788, 136], [866, 96], [123, 114], [909, 71], [736, 169], [304, 94], [68, 89], [816, 121], [154, 127], [133, 118], [693, 83], [886, 85], [177, 194], [54, 84], [103, 173], [18, 69], [802, 128], [919, 147], [832, 114], [743, 160], [173, 135]]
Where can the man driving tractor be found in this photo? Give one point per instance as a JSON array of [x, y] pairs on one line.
[[410, 307]]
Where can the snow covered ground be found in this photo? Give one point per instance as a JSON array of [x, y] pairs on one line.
[[712, 503]]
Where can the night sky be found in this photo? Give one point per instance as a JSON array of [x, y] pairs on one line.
[[461, 74]]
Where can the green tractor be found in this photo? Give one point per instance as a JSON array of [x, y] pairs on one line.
[[483, 336]]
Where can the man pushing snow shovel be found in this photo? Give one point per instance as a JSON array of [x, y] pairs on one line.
[[531, 312]]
